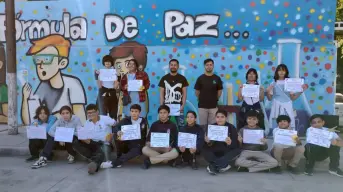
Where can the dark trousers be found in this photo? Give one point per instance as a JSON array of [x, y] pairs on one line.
[[92, 151], [50, 144], [108, 103], [187, 156], [220, 159], [35, 146], [127, 151], [315, 153]]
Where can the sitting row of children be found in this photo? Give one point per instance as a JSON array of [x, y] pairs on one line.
[[221, 156]]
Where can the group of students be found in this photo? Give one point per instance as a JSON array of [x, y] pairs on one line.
[[221, 156]]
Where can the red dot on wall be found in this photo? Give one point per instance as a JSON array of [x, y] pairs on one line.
[[247, 66], [153, 53], [206, 42], [244, 48], [286, 4], [94, 3], [84, 64], [223, 58], [98, 50], [174, 49], [311, 101], [93, 22], [252, 4], [315, 58], [231, 66], [223, 50], [153, 6], [264, 52], [305, 49], [327, 66], [273, 68], [329, 89], [89, 88], [305, 74], [153, 73]]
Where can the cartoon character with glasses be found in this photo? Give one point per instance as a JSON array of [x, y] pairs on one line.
[[51, 55]]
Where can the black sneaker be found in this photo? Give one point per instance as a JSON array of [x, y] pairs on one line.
[[277, 170], [32, 158], [293, 170], [92, 168], [242, 169], [41, 162], [212, 169], [308, 172], [146, 163], [178, 162], [194, 164], [172, 163], [336, 172]]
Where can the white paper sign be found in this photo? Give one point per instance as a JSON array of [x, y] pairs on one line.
[[252, 136], [187, 140], [131, 132], [285, 137], [36, 132], [64, 134], [294, 85], [159, 140], [217, 133], [84, 133], [319, 137], [135, 85], [174, 109], [108, 75], [251, 90]]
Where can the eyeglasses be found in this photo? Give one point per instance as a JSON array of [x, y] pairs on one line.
[[44, 59]]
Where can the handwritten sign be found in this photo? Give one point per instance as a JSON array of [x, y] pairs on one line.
[[174, 109], [135, 85], [319, 137], [108, 75], [64, 134], [159, 140], [251, 90], [187, 140], [130, 132], [285, 137], [294, 85], [252, 136], [36, 132], [217, 133], [84, 133]]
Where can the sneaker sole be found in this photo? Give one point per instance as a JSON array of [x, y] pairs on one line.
[[210, 172], [92, 168], [225, 169], [37, 167], [335, 174], [308, 174]]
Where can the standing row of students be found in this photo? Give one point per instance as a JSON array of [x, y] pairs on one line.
[[221, 156]]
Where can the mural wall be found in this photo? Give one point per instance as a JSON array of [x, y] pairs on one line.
[[237, 34]]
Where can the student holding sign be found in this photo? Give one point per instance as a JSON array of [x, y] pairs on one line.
[[63, 129], [96, 149], [254, 144], [188, 154], [129, 142], [287, 145], [108, 83], [251, 98], [161, 140], [45, 120], [282, 100], [316, 148], [220, 153], [135, 85]]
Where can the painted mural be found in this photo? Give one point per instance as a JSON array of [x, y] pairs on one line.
[[237, 35]]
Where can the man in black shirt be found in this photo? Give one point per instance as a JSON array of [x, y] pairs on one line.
[[173, 91], [208, 89]]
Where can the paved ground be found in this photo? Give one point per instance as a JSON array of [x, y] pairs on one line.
[[16, 176]]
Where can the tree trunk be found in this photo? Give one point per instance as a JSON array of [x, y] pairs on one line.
[[12, 104]]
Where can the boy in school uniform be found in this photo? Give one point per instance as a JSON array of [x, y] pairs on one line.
[[128, 150], [253, 157], [97, 149], [218, 154], [315, 153], [168, 154], [283, 152]]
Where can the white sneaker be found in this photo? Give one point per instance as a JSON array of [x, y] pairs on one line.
[[224, 169], [106, 165], [71, 159], [41, 162]]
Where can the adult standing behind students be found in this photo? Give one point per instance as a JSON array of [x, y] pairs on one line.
[[135, 97], [173, 90], [208, 89], [251, 103], [42, 118]]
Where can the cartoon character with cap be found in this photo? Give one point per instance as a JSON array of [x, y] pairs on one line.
[[50, 56]]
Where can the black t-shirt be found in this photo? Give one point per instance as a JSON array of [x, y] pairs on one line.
[[208, 87], [173, 88]]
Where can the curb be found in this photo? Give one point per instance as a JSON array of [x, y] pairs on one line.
[[14, 151]]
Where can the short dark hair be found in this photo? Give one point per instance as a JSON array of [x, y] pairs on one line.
[[208, 60], [315, 116], [192, 112], [136, 106], [66, 107], [175, 60], [251, 113], [221, 111], [283, 118], [165, 107], [39, 109], [107, 58], [135, 62], [91, 107], [251, 70]]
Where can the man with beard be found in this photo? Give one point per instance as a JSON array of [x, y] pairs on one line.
[[173, 92], [208, 89]]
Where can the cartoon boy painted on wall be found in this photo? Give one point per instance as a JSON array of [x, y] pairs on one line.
[[122, 54], [51, 55], [3, 86]]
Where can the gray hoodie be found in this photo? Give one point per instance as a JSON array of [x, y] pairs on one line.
[[73, 123]]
